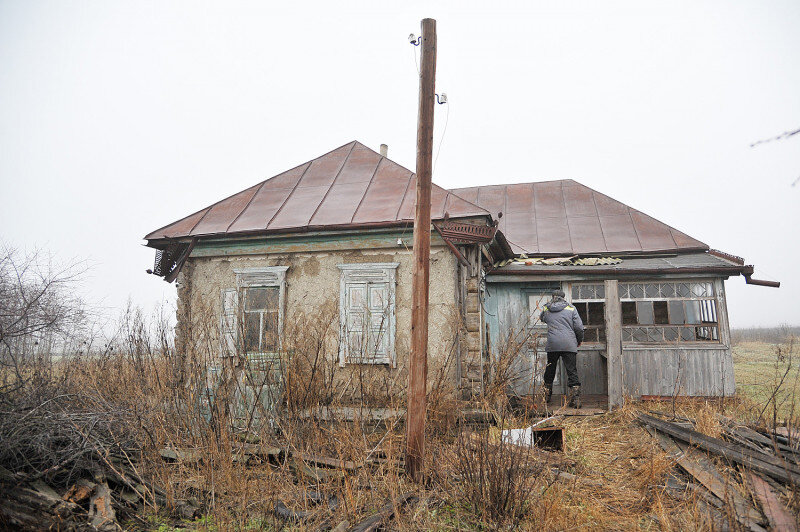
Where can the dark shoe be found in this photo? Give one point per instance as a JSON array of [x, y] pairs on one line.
[[548, 393], [574, 397]]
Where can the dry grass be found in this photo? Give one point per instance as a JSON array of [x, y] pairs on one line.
[[618, 471]]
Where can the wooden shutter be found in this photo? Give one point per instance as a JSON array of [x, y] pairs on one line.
[[230, 307], [378, 337], [355, 329], [366, 313]]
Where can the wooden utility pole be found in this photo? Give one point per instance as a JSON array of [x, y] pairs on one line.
[[418, 366]]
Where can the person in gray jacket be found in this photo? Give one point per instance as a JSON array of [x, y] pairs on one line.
[[564, 335]]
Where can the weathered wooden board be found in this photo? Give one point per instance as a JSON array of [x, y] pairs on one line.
[[671, 371], [777, 514], [701, 468], [613, 323]]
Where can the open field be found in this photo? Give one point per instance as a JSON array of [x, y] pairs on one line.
[[766, 370]]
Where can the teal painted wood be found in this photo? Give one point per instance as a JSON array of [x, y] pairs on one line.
[[303, 243], [507, 311]]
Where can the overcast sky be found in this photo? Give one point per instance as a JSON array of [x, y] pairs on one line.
[[117, 118]]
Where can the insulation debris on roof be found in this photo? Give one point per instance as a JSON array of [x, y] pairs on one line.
[[561, 261]]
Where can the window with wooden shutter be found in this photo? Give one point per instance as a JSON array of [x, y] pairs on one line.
[[252, 313], [366, 311]]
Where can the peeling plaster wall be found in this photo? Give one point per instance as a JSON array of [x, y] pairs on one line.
[[312, 286]]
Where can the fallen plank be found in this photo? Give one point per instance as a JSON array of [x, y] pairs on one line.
[[181, 455], [772, 466], [706, 473], [350, 413], [777, 515], [326, 461], [315, 474]]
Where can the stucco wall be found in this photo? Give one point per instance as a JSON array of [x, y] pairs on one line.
[[312, 286]]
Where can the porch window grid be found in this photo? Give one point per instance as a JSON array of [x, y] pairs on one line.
[[589, 300], [669, 312]]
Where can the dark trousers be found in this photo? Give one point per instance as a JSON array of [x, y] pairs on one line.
[[570, 363]]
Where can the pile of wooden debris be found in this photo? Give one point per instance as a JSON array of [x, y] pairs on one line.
[[72, 461], [769, 462]]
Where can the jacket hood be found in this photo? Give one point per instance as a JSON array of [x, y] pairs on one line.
[[557, 306]]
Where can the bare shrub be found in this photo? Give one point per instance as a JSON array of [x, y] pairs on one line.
[[498, 480]]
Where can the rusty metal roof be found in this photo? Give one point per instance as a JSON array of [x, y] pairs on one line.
[[351, 186], [564, 217]]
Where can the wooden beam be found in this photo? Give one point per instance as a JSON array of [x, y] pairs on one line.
[[701, 468], [418, 365], [778, 516], [776, 468], [613, 318]]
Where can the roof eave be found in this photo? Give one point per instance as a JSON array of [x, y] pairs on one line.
[[352, 227]]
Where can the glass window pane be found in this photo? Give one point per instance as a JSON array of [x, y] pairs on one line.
[[597, 315], [601, 291], [684, 290], [627, 335], [252, 331], [651, 290], [660, 313], [671, 334], [655, 335], [639, 334], [676, 314], [644, 310], [601, 332], [668, 290], [636, 291], [687, 334], [581, 308], [629, 313], [590, 335], [576, 290], [692, 311], [256, 298]]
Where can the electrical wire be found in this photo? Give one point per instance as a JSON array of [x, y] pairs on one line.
[[441, 139]]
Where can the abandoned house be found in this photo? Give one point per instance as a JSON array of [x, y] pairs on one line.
[[336, 233]]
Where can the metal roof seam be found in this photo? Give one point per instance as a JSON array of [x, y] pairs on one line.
[[299, 180], [330, 187], [566, 218], [366, 190], [636, 231], [405, 193], [637, 210], [247, 205], [535, 218]]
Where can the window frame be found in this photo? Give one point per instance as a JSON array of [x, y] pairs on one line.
[[254, 277], [716, 298], [366, 273], [576, 301]]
